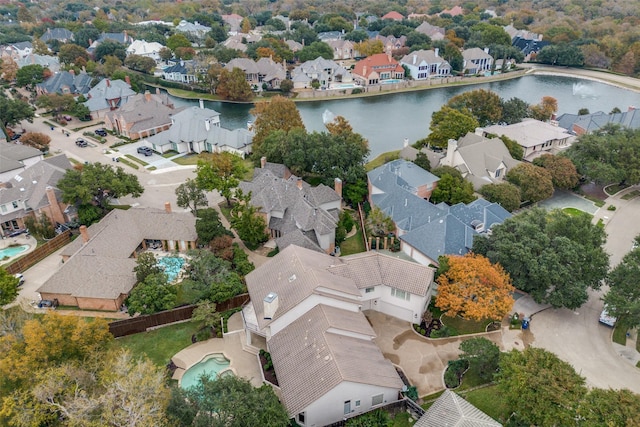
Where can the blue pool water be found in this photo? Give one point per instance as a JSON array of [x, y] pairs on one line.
[[211, 365], [13, 251], [389, 81], [171, 266]]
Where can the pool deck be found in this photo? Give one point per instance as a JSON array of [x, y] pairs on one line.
[[243, 360], [18, 240]]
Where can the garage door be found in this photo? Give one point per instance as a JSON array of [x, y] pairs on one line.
[[395, 311]]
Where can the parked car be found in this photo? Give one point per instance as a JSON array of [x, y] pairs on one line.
[[15, 136], [101, 132], [145, 150], [18, 232], [48, 303], [81, 142], [606, 319], [67, 118], [20, 278]]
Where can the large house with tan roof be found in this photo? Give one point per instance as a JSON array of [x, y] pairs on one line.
[[97, 273], [476, 60], [375, 68], [263, 71], [308, 307], [426, 64]]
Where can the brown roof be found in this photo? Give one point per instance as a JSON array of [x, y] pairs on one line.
[[320, 350]]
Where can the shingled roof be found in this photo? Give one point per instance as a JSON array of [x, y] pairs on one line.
[[451, 410]]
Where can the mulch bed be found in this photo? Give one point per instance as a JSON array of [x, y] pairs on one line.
[[269, 375], [434, 325]]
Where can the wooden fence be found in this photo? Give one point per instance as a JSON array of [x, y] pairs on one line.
[[121, 328], [363, 227], [40, 253]]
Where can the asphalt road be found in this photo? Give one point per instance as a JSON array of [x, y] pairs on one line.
[[576, 336]]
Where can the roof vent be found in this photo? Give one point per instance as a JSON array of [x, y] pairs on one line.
[[18, 178], [292, 278]]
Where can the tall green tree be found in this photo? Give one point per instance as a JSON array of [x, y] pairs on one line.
[[452, 188], [146, 265], [505, 194], [177, 40], [535, 183], [609, 408], [251, 227], [623, 298], [221, 172], [71, 53], [13, 111], [190, 195], [154, 294], [213, 276], [315, 50], [110, 48], [8, 287], [208, 226], [563, 172], [540, 388], [449, 123], [514, 110], [483, 356], [484, 105], [278, 114], [30, 75], [553, 256], [233, 85]]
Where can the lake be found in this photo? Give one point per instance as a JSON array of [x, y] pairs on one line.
[[385, 121]]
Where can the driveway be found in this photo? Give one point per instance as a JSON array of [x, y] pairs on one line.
[[576, 336], [564, 199]]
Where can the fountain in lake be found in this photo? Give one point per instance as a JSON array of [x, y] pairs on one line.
[[584, 91], [328, 117]]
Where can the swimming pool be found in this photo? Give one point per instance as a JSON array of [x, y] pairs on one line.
[[214, 364], [12, 251], [344, 86], [172, 266], [389, 81]]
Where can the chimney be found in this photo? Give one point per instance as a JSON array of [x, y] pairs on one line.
[[364, 71], [415, 59], [201, 101], [72, 72], [436, 51], [108, 83], [479, 132], [337, 186], [452, 146], [486, 50], [631, 108], [127, 80], [263, 162], [405, 144], [147, 96], [56, 212], [84, 233], [167, 207], [270, 305], [299, 183]]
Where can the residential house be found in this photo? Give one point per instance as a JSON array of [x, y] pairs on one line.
[[294, 45], [342, 49], [18, 50], [326, 36], [410, 153], [476, 60], [143, 115], [307, 306], [435, 33], [393, 15], [589, 123], [197, 130], [288, 204], [535, 137], [377, 68], [123, 38], [182, 72], [324, 71], [427, 231], [264, 71], [426, 64], [14, 158], [97, 273], [480, 160], [108, 95], [391, 42], [33, 192], [65, 82], [60, 34], [234, 21], [232, 43], [194, 29], [529, 47], [146, 49], [452, 410], [49, 62], [454, 11]]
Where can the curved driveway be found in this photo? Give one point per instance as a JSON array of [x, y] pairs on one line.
[[576, 336]]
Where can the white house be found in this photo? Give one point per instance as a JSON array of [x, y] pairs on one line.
[[476, 60], [426, 64], [144, 48]]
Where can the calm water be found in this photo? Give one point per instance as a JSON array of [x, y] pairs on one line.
[[386, 120]]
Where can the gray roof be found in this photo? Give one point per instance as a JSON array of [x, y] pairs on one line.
[[108, 94], [317, 68], [12, 155], [475, 53], [144, 113], [401, 173], [66, 82], [323, 348], [529, 132], [61, 34], [103, 267], [451, 410], [265, 67], [593, 122], [122, 38], [46, 61], [298, 238]]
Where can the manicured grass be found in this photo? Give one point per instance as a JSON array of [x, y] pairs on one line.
[[135, 159], [462, 326], [226, 211], [353, 244], [128, 163], [638, 342], [620, 335], [614, 188], [490, 401], [471, 379], [599, 203], [402, 420], [186, 293], [382, 159], [188, 160], [152, 168], [74, 161], [160, 345], [430, 399], [575, 212], [169, 153], [631, 194]]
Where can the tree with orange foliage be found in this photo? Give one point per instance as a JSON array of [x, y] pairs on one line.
[[474, 288]]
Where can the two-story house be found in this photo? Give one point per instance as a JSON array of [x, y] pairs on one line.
[[426, 64], [263, 71], [65, 82], [377, 68], [108, 95], [324, 71], [146, 49], [476, 60], [14, 158]]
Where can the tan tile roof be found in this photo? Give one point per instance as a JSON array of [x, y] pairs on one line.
[[375, 63], [311, 357]]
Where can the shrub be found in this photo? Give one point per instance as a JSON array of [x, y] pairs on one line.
[[443, 332], [611, 208], [357, 91]]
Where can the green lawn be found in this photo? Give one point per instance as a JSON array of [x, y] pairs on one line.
[[490, 401], [188, 160], [353, 244], [620, 335], [382, 159], [160, 345], [464, 326], [401, 420], [630, 195], [575, 212], [135, 159], [128, 162]]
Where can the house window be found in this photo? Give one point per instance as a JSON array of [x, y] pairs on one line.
[[400, 294], [301, 417], [347, 407], [377, 399], [357, 404], [15, 204], [369, 290], [3, 208], [498, 173]]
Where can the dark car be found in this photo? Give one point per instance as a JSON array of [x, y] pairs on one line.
[[101, 132], [81, 142], [18, 232], [15, 136], [48, 303], [145, 150]]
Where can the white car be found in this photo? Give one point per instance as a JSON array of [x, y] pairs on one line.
[[606, 319], [20, 278]]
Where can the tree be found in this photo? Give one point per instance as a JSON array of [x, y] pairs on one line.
[[315, 50], [234, 86], [553, 256], [562, 54], [608, 408], [70, 53], [165, 54], [226, 401], [535, 183], [41, 227], [213, 277], [110, 48], [189, 196], [220, 171], [246, 221], [563, 172], [98, 183], [423, 161], [379, 224], [449, 123], [286, 86], [505, 194], [207, 314], [146, 265], [278, 114], [514, 110], [623, 298], [452, 188], [369, 47], [485, 106], [543, 111], [85, 36], [30, 75], [186, 53], [483, 356], [56, 102], [8, 287], [9, 69], [36, 140], [474, 288], [539, 387], [13, 112], [140, 63], [177, 40], [208, 226], [154, 294], [515, 149]]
